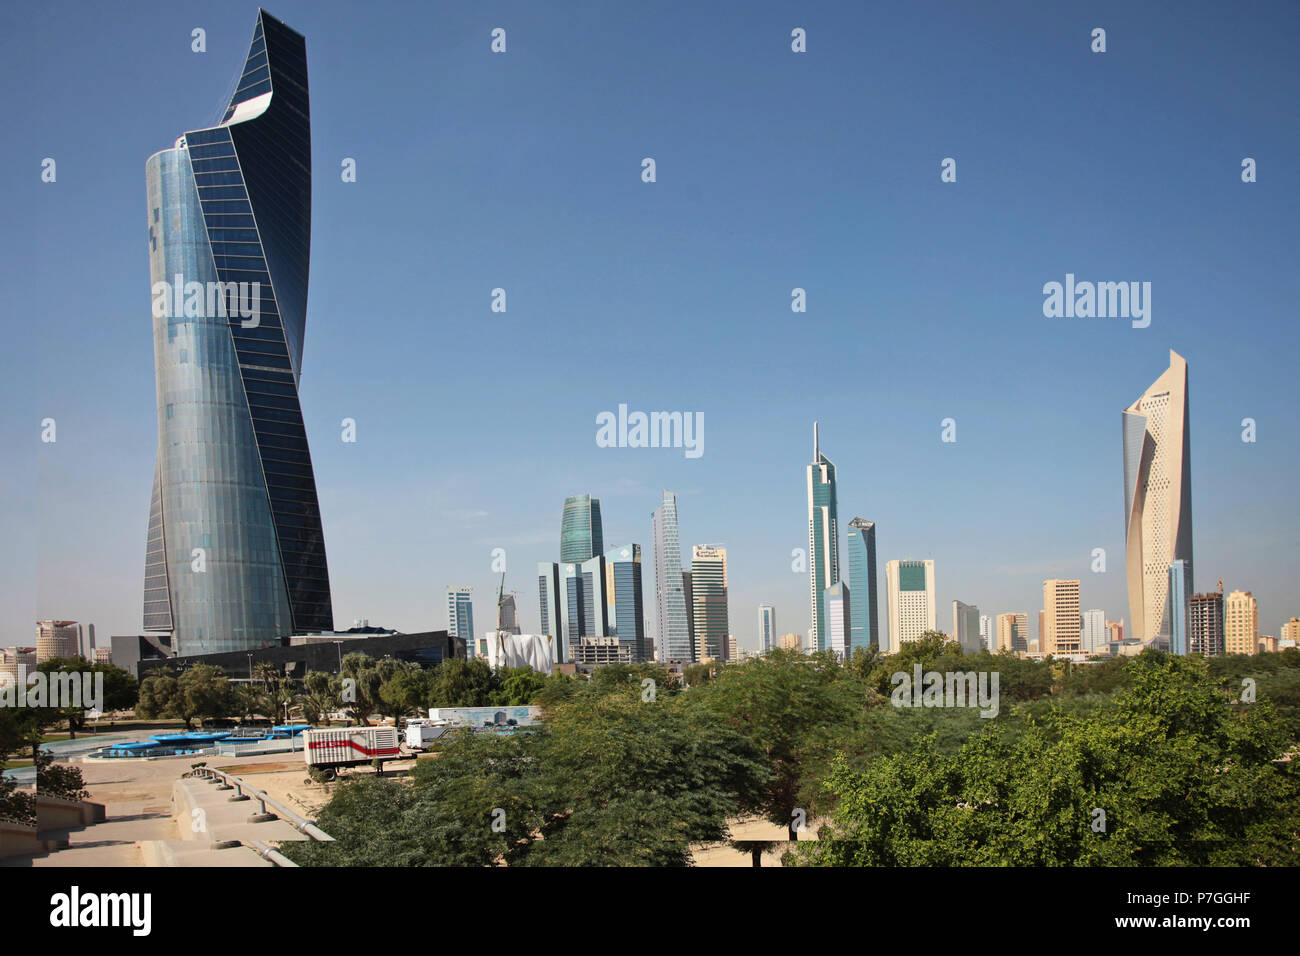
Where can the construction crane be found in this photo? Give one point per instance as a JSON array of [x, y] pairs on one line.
[[1220, 585]]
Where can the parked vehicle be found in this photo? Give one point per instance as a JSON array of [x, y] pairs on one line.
[[329, 748], [421, 731]]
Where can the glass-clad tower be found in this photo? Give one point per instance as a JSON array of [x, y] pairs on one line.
[[862, 578], [672, 596], [236, 554], [626, 601], [823, 542], [581, 537]]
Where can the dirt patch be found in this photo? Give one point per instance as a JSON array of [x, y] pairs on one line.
[[244, 769]]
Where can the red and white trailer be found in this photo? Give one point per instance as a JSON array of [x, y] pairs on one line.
[[329, 748]]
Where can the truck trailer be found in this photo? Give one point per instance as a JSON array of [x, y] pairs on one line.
[[330, 748]]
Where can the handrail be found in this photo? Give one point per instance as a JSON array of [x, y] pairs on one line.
[[264, 800], [269, 853]]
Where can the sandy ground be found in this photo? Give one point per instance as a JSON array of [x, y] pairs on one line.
[[137, 795]]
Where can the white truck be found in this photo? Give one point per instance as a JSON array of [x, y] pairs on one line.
[[422, 731], [329, 748]]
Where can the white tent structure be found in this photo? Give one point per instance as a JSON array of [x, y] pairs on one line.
[[520, 650]]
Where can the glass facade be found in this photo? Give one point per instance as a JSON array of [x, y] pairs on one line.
[[1180, 595], [551, 604], [626, 604], [581, 536], [671, 597], [709, 596], [862, 579], [767, 639], [236, 552], [460, 614], [823, 540]]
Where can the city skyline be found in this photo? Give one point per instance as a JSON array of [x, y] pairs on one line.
[[400, 520]]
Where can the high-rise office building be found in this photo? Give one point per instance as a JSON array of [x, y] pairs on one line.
[[1205, 624], [910, 585], [839, 609], [1240, 623], [57, 639], [688, 592], [235, 557], [460, 614], [1093, 639], [673, 633], [581, 535], [966, 627], [595, 598], [626, 605], [709, 594], [551, 603], [1157, 498], [1180, 592], [791, 642], [862, 579], [767, 639], [733, 649], [508, 615], [988, 634], [823, 539], [1013, 632], [1061, 621], [1115, 631], [17, 662]]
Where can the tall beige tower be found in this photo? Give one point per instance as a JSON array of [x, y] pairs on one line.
[[911, 601], [1157, 497], [1062, 623], [1240, 623]]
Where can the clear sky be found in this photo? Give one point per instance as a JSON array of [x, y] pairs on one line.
[[775, 170]]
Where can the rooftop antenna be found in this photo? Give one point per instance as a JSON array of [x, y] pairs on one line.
[[816, 445]]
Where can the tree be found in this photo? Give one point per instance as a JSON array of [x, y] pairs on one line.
[[320, 696], [519, 685], [403, 690], [202, 692], [360, 686], [157, 695], [610, 781], [1170, 772], [120, 688], [790, 706], [15, 805], [460, 683]]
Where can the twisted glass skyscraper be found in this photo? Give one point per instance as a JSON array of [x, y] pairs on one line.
[[235, 554]]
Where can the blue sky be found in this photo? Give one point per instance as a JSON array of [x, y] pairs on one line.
[[775, 170]]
